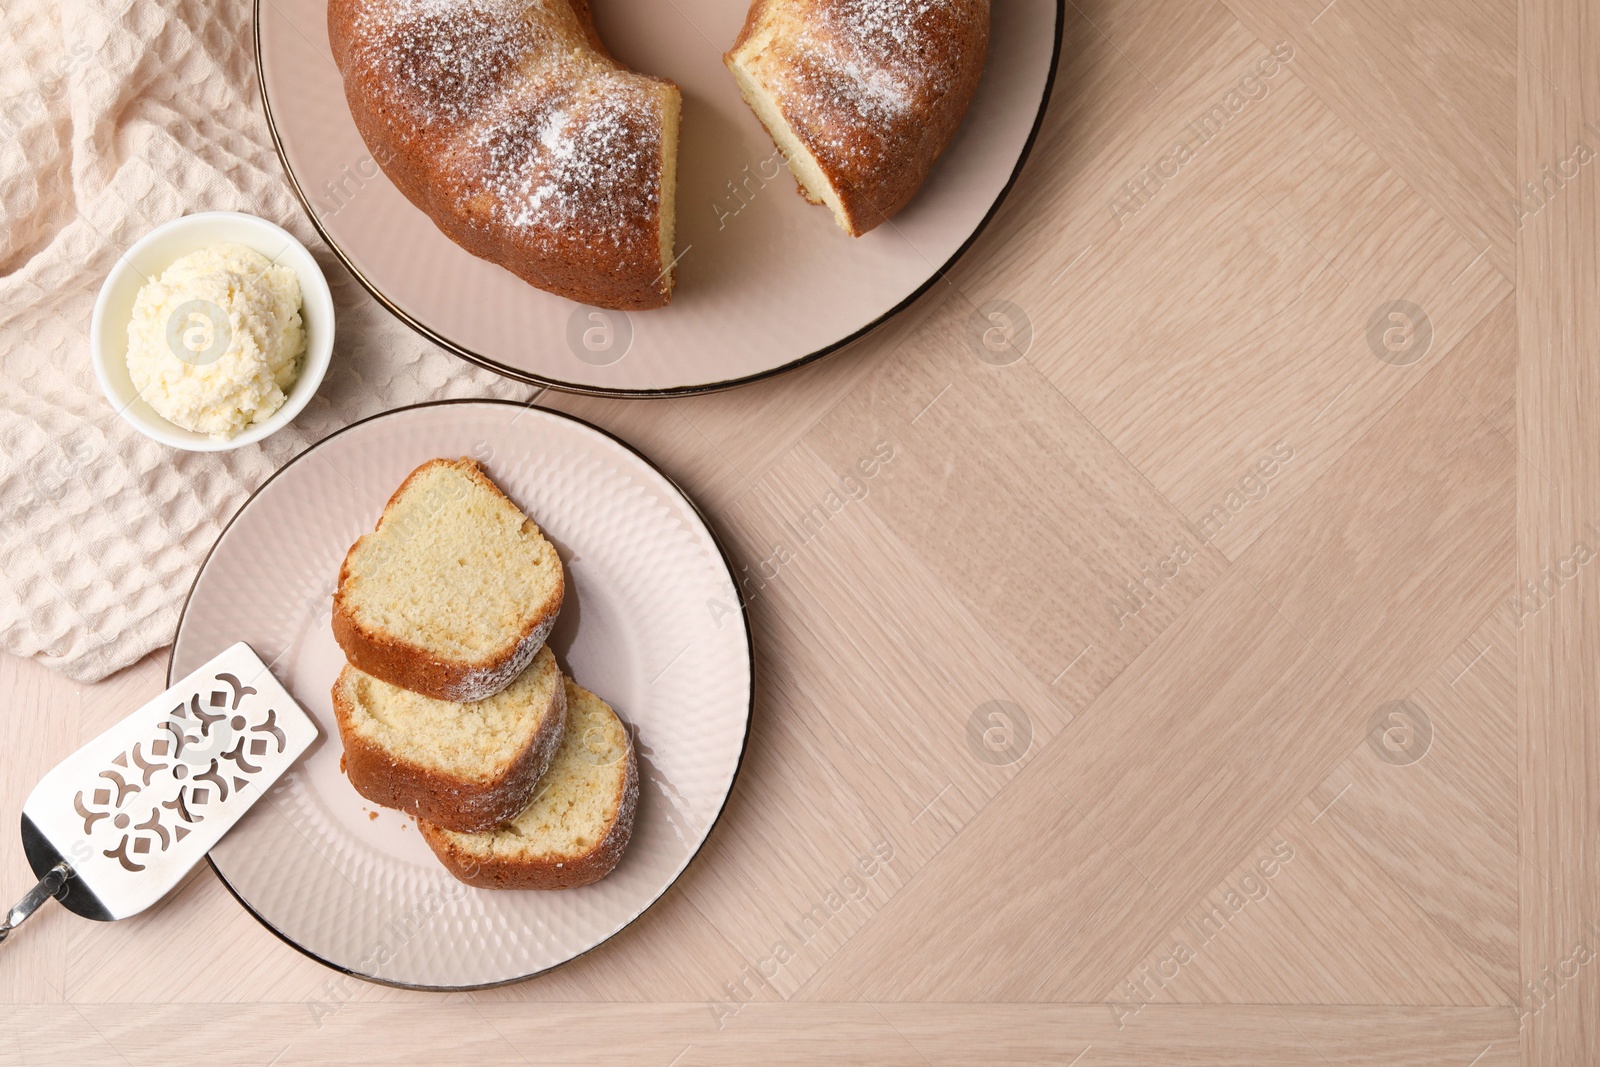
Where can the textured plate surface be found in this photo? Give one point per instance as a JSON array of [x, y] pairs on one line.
[[651, 622], [765, 281]]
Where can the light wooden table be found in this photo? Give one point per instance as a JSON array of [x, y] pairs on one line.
[[1181, 685]]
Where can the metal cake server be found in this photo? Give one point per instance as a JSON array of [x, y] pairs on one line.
[[119, 822]]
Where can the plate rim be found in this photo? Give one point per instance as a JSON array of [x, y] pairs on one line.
[[530, 378], [744, 744]]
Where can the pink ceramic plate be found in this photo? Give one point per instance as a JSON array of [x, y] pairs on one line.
[[766, 282], [651, 622]]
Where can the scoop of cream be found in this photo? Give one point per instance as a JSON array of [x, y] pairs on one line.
[[215, 342]]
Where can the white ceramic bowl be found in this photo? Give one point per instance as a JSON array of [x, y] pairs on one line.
[[154, 253]]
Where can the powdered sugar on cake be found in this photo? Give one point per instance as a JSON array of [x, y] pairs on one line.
[[582, 171], [554, 167], [451, 54], [870, 53]]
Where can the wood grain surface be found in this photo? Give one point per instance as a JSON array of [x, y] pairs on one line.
[[1210, 669]]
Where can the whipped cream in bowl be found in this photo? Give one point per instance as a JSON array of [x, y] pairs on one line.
[[212, 331]]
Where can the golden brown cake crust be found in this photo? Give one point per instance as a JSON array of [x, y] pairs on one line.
[[512, 128], [409, 666], [874, 89], [454, 802], [502, 873]]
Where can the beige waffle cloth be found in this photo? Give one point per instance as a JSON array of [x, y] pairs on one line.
[[116, 116]]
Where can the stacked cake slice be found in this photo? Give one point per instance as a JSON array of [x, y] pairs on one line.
[[453, 709]]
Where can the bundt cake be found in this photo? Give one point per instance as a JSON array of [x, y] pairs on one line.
[[861, 96], [513, 128]]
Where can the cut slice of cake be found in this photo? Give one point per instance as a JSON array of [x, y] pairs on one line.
[[761, 94], [575, 828], [861, 96], [466, 766], [455, 590]]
